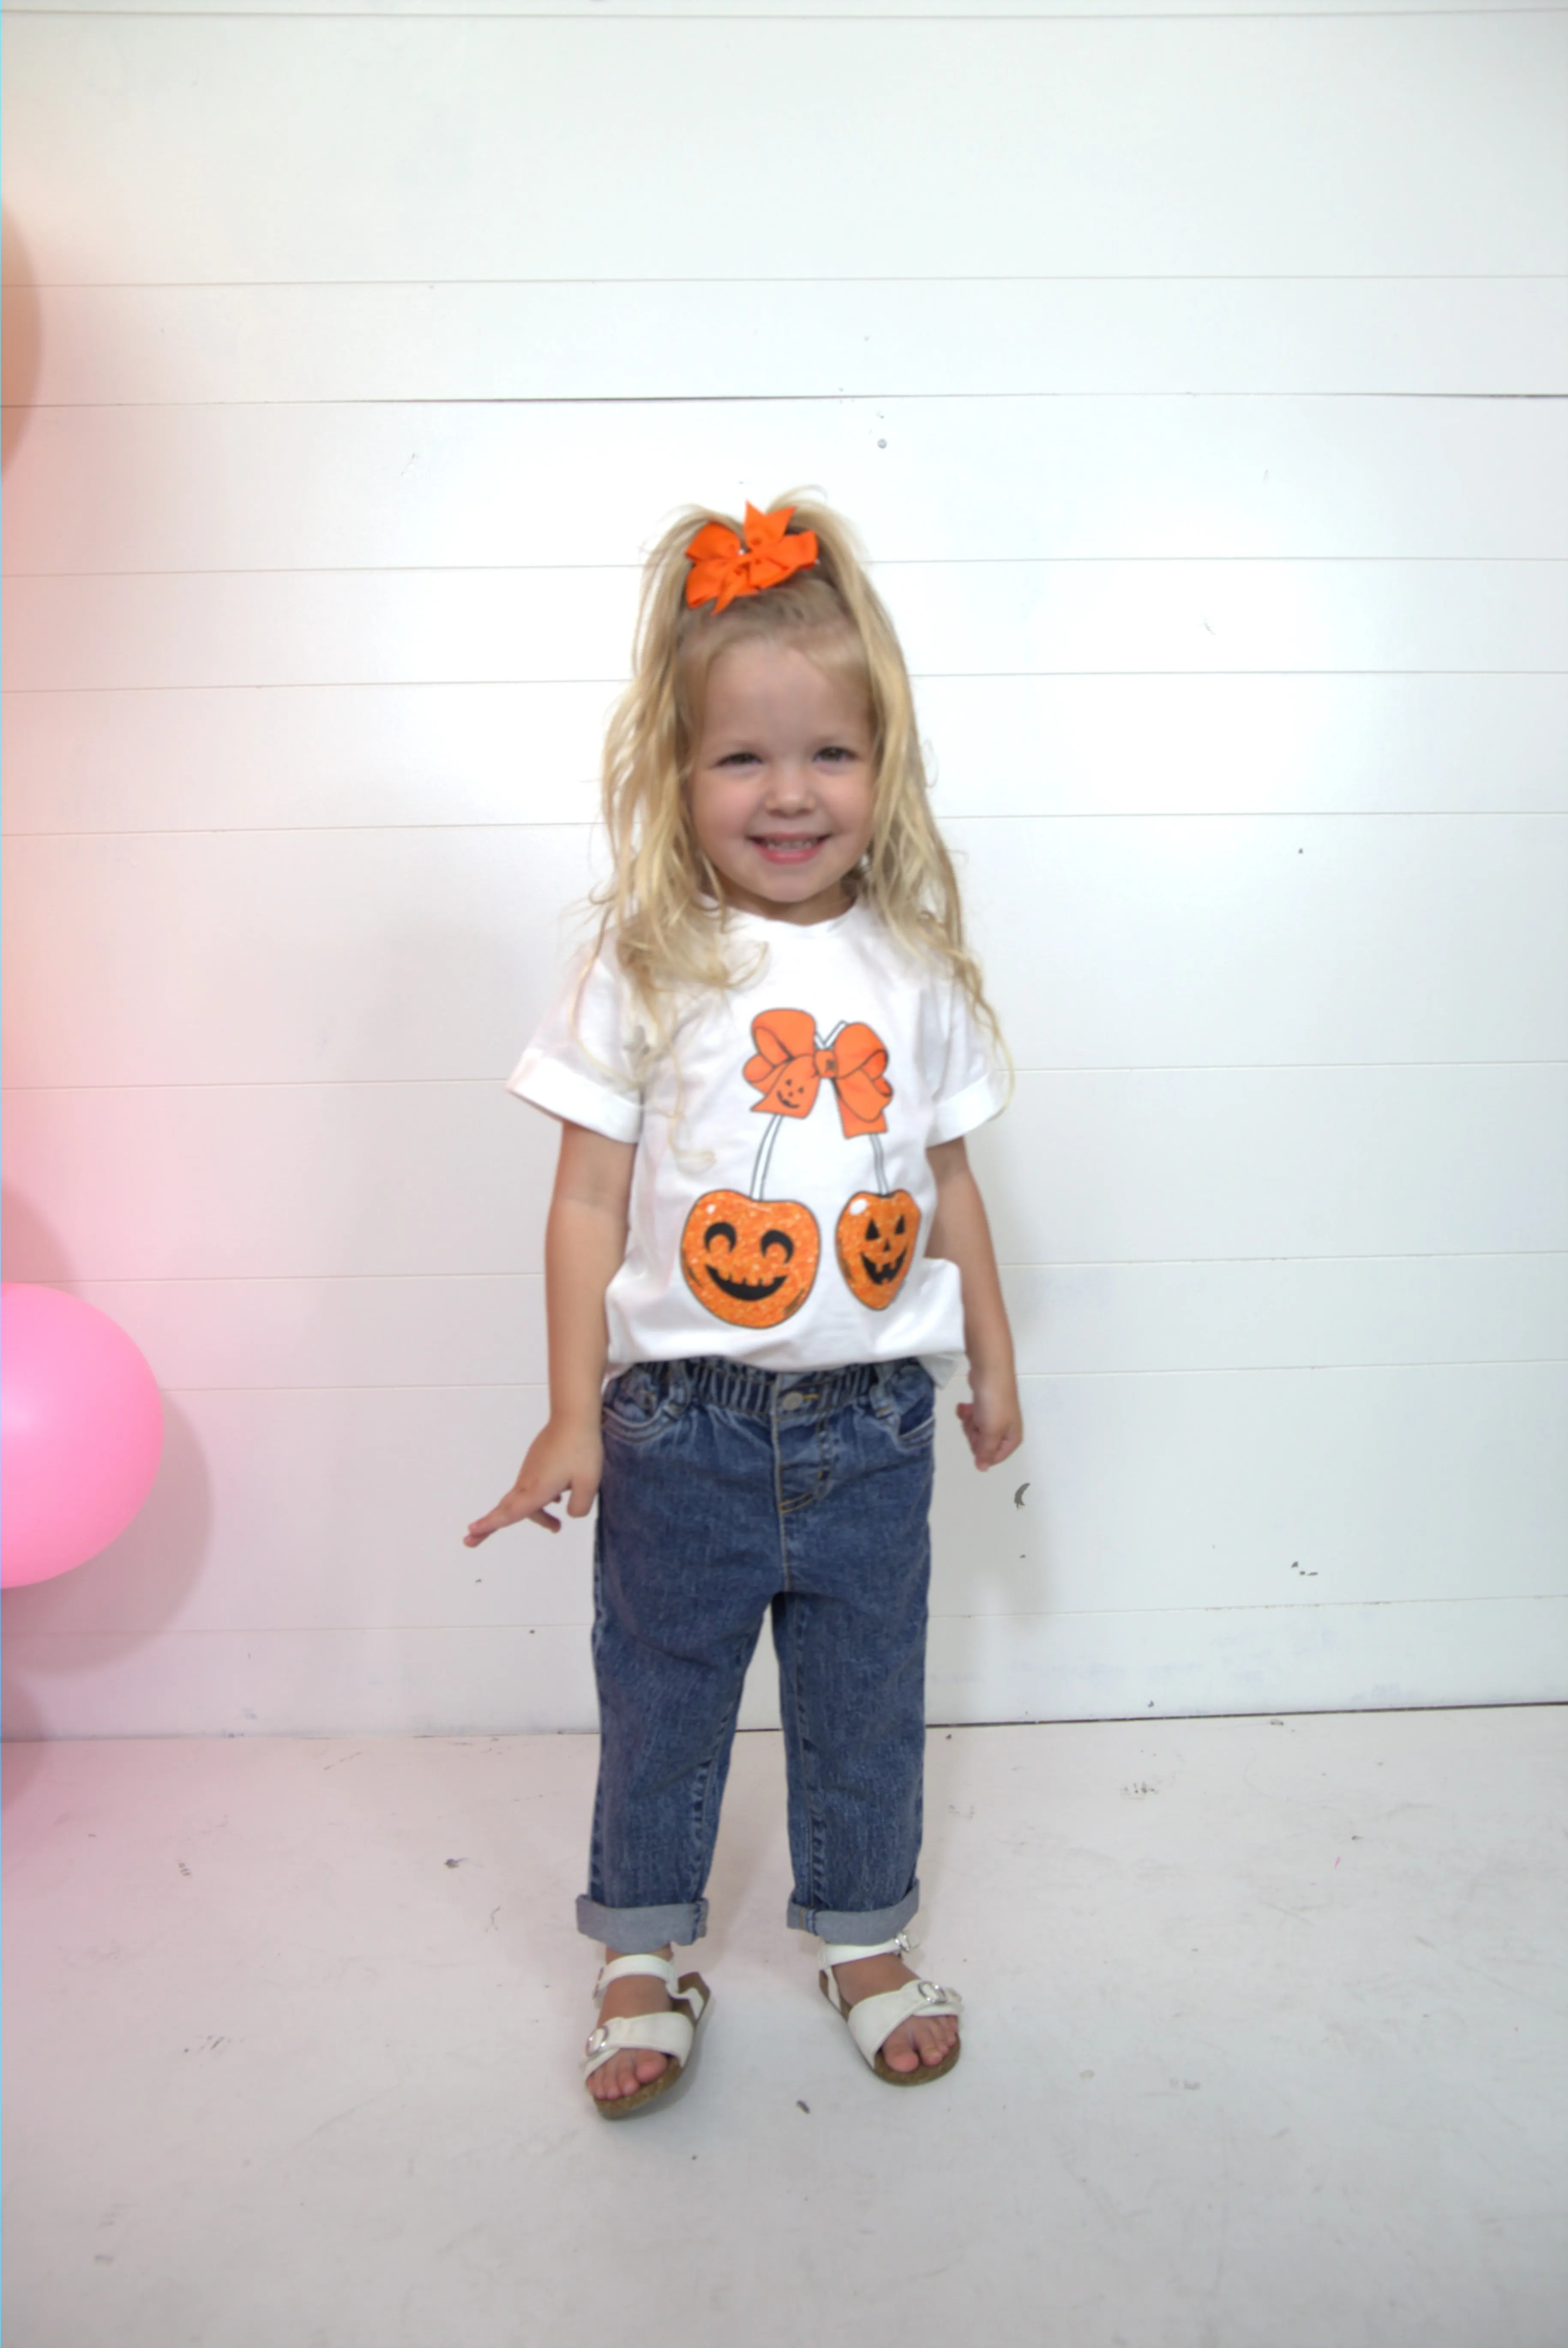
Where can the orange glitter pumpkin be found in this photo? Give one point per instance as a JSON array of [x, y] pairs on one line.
[[751, 1262], [875, 1239]]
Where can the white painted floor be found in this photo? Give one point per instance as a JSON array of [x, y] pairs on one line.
[[1265, 2049]]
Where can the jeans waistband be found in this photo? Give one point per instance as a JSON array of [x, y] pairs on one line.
[[740, 1386]]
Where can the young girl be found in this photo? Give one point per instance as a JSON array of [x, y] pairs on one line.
[[764, 1227]]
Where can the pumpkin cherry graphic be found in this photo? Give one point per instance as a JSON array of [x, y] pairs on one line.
[[751, 1261], [876, 1238], [875, 1241]]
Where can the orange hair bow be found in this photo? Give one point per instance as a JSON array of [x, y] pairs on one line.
[[789, 1068], [722, 568]]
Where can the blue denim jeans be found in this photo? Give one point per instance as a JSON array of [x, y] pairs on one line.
[[730, 1491]]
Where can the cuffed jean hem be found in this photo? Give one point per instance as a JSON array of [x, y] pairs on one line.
[[861, 1932], [640, 1929]]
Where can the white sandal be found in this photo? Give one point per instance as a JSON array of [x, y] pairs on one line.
[[673, 2034], [873, 2020]]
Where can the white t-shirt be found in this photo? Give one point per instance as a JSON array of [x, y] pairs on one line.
[[781, 1196]]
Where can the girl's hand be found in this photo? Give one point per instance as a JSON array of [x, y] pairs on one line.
[[993, 1420], [563, 1457]]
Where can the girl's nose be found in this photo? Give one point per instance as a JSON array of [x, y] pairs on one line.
[[790, 786]]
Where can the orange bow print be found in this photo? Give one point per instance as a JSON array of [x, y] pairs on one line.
[[722, 568], [789, 1067]]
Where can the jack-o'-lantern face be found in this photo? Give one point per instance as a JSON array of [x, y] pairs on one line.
[[876, 1236], [751, 1261]]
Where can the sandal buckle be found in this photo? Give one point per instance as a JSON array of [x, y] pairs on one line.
[[933, 1994]]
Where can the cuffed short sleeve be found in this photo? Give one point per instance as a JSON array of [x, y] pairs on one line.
[[976, 1105], [576, 1066], [967, 1087]]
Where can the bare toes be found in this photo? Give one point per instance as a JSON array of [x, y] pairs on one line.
[[624, 2075], [933, 2039]]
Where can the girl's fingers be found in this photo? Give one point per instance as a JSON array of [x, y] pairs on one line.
[[512, 1510], [515, 1510], [989, 1446]]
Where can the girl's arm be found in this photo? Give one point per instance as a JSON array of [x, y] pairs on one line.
[[584, 1243], [959, 1232]]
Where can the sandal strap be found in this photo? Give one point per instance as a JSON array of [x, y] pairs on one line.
[[849, 1952], [873, 2020], [655, 1968], [659, 2034]]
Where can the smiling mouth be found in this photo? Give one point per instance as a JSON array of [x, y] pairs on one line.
[[788, 851], [881, 1273], [745, 1291]]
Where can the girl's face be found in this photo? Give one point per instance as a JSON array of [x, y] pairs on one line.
[[781, 781]]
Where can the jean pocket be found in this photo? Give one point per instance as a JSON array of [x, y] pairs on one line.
[[906, 1406], [638, 1405]]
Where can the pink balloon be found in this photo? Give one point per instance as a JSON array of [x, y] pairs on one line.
[[81, 1427]]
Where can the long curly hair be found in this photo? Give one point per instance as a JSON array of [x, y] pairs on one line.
[[662, 904]]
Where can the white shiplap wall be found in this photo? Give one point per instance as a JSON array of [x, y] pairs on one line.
[[1185, 374]]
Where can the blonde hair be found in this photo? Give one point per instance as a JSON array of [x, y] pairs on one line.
[[663, 902]]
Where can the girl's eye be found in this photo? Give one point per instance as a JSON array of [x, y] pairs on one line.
[[837, 753]]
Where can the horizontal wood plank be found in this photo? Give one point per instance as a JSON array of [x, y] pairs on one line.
[[1105, 1166], [578, 484], [83, 346], [290, 147], [324, 956], [390, 627]]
